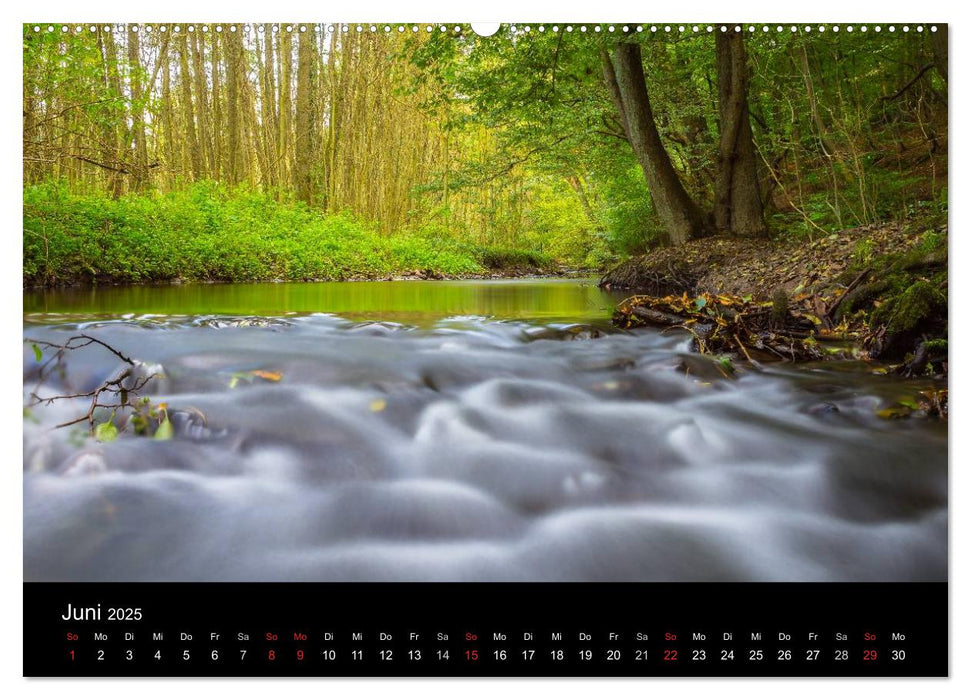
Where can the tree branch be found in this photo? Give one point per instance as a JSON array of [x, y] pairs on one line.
[[910, 84]]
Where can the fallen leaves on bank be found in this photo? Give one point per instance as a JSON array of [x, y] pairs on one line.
[[781, 329], [727, 327]]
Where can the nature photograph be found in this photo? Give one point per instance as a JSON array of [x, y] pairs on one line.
[[552, 302]]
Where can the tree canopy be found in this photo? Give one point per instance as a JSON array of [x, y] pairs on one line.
[[584, 143]]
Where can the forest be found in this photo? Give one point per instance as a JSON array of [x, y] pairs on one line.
[[398, 302], [299, 151]]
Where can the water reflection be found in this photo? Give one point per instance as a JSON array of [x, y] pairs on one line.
[[419, 302]]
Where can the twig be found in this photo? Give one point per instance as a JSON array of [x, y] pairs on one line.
[[745, 351], [852, 285], [82, 336], [114, 386]]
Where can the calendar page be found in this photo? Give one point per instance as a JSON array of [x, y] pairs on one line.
[[515, 349]]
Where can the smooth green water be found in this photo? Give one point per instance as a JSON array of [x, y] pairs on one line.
[[403, 301]]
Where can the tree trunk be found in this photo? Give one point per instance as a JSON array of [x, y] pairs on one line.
[[234, 159], [208, 165], [939, 46], [738, 204], [610, 78], [576, 184], [829, 149], [681, 217], [268, 106], [110, 132], [255, 141], [286, 69], [217, 111], [173, 163], [188, 123], [333, 106], [140, 154], [303, 141]]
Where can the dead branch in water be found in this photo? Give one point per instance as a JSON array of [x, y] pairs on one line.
[[124, 387]]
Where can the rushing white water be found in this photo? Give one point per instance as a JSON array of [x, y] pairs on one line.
[[476, 450]]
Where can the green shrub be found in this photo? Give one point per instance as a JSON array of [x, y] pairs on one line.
[[632, 225], [513, 258], [209, 232]]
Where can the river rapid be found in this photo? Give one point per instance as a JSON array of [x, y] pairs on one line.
[[487, 435]]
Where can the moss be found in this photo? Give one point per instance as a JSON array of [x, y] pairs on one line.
[[907, 310], [861, 297], [925, 256], [929, 251], [863, 252], [926, 222], [724, 363], [937, 346], [897, 300]]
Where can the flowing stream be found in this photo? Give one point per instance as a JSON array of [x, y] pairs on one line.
[[493, 430]]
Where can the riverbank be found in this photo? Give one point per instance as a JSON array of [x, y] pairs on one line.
[[202, 234], [519, 273], [886, 283]]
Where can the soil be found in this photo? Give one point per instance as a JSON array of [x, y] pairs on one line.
[[884, 283], [759, 267]]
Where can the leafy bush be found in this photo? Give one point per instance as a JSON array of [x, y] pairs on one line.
[[208, 231], [513, 258], [632, 226]]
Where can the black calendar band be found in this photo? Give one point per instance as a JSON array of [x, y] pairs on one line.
[[478, 629]]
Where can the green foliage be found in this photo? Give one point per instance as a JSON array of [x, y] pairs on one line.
[[514, 259], [164, 430], [207, 232], [843, 149], [106, 432], [907, 291], [558, 225], [533, 165], [632, 226]]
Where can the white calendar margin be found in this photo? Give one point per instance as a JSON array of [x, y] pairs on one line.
[[826, 11]]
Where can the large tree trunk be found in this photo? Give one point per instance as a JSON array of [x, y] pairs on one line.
[[624, 74], [738, 203]]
